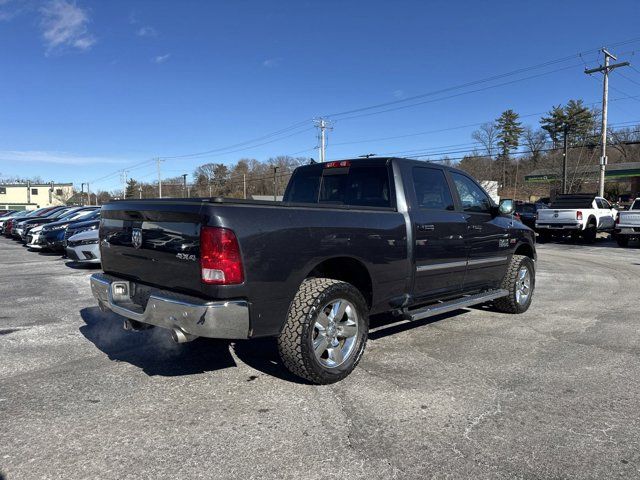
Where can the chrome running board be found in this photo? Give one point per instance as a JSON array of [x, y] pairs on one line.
[[451, 305]]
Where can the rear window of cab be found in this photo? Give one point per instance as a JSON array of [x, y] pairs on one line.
[[340, 183]]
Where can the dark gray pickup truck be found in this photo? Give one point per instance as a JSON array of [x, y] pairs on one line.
[[351, 238]]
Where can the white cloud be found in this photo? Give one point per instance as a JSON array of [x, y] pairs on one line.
[[62, 158], [161, 58], [64, 25], [147, 31], [10, 9], [272, 62], [399, 94]]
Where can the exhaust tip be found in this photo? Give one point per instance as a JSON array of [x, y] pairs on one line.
[[180, 336]]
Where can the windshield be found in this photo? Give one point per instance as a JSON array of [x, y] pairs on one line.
[[636, 205], [82, 215], [75, 214]]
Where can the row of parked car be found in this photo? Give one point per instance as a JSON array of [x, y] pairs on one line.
[[71, 231], [581, 216]]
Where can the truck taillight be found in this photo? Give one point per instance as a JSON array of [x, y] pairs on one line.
[[342, 163], [220, 260], [578, 215]]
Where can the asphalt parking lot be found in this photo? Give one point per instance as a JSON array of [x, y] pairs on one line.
[[552, 393]]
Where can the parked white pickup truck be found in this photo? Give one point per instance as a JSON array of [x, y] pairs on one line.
[[577, 215], [628, 224]]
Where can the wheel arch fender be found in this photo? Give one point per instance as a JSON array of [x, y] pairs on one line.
[[346, 268], [523, 247]]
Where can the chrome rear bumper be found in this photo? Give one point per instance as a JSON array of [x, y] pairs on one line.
[[218, 319]]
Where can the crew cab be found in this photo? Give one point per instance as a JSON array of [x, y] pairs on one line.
[[628, 224], [351, 238], [577, 215]]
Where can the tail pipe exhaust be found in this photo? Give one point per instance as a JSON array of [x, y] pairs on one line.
[[180, 336]]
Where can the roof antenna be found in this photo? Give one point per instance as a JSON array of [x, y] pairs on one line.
[[312, 161], [367, 155]]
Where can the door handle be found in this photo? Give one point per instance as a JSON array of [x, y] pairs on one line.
[[477, 228], [424, 227]]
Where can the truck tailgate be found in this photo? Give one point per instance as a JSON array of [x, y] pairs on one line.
[[630, 218], [548, 215], [153, 242]]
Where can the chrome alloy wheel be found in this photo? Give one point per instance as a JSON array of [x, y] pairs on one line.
[[335, 333], [523, 285]]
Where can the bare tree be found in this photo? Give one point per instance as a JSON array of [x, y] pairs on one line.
[[535, 141], [621, 140], [487, 136]]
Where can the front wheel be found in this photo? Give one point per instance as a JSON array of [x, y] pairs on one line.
[[326, 331], [520, 282]]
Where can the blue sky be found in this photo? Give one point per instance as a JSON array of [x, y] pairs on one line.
[[90, 87]]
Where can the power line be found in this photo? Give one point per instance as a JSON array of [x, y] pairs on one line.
[[247, 142], [402, 107]]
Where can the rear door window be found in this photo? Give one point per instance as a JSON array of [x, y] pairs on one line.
[[432, 189]]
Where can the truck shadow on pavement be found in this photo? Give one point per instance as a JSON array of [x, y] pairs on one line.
[[82, 265], [152, 350], [155, 353]]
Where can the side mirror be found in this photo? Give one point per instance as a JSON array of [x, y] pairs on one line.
[[507, 206]]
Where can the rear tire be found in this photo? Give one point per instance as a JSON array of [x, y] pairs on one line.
[[326, 331], [589, 234], [622, 240], [520, 282], [544, 236]]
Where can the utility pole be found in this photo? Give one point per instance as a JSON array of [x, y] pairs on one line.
[[89, 194], [275, 193], [565, 156], [159, 178], [82, 193], [140, 190], [323, 126], [184, 184], [606, 68], [244, 185], [124, 184]]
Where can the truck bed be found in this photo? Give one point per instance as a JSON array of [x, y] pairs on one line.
[[279, 244]]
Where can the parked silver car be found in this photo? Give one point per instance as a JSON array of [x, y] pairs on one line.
[[84, 247]]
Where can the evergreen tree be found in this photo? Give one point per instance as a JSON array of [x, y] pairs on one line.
[[509, 132], [579, 120], [553, 124], [132, 190]]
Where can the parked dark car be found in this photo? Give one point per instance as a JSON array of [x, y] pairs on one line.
[[23, 228], [526, 212], [351, 238], [19, 216], [51, 237], [5, 217], [83, 225]]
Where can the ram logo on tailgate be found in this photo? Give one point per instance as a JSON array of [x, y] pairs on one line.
[[186, 256], [136, 237]]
